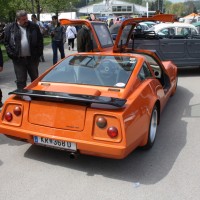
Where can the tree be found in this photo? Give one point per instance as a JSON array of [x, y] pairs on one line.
[[177, 8], [9, 8]]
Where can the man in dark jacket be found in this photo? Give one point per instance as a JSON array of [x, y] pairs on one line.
[[58, 38], [24, 45], [84, 41]]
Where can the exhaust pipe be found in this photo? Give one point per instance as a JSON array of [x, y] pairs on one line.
[[73, 155]]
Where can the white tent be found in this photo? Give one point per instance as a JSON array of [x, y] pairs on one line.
[[47, 17], [44, 17]]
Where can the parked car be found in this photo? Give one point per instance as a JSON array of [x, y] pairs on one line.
[[140, 27], [149, 23], [177, 42], [174, 29], [102, 103], [197, 25]]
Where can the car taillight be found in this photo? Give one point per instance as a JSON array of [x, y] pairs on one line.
[[112, 131], [17, 111], [8, 116], [101, 122]]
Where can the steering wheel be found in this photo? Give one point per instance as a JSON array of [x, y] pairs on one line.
[[106, 69]]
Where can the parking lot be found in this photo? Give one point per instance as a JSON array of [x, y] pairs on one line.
[[170, 170]]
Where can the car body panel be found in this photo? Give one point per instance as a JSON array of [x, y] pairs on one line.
[[183, 52], [120, 91]]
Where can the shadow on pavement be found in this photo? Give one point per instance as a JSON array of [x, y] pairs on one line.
[[189, 71], [11, 142], [145, 167]]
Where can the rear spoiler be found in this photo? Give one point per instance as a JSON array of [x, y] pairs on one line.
[[65, 97]]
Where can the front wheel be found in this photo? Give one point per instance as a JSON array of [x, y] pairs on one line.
[[152, 128]]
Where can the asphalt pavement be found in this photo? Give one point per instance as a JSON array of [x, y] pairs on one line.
[[169, 171]]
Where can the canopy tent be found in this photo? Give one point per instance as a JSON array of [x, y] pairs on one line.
[[191, 15]]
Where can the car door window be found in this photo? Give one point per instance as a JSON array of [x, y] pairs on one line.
[[144, 72], [164, 31], [193, 31], [103, 35]]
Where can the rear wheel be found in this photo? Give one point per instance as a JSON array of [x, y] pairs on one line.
[[152, 128]]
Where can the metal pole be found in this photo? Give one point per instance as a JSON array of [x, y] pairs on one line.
[[147, 7]]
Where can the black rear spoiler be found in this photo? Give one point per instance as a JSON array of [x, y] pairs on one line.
[[65, 97]]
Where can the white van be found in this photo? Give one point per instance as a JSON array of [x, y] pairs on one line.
[[174, 29]]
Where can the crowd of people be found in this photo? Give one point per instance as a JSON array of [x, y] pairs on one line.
[[23, 41]]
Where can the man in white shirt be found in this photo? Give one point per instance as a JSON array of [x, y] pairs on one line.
[[24, 45]]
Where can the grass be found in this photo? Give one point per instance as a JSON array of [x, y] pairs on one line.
[[5, 56], [47, 41]]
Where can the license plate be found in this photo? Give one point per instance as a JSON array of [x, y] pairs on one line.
[[55, 143]]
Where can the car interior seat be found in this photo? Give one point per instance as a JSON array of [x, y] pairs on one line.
[[87, 75]]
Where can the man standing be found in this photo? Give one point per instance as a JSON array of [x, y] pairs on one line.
[[58, 38], [24, 45], [42, 30], [84, 41], [1, 69]]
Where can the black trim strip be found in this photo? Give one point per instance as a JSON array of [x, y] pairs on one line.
[[61, 96]]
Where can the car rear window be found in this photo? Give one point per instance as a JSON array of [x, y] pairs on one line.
[[112, 71]]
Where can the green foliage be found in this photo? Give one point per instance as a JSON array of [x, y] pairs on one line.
[[181, 9], [8, 8], [47, 40], [5, 56]]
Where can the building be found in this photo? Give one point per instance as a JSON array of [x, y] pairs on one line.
[[113, 7]]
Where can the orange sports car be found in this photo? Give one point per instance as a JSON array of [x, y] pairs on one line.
[[103, 103]]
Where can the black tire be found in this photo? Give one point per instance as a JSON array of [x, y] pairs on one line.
[[152, 128]]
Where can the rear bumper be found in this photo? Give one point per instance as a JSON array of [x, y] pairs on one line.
[[94, 147]]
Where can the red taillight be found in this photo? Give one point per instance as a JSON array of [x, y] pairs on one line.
[[112, 132], [8, 116], [17, 111], [101, 122]]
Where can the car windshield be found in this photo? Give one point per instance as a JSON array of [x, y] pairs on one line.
[[111, 71], [125, 35]]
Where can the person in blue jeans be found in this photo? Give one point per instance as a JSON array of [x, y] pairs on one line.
[[57, 33], [1, 69]]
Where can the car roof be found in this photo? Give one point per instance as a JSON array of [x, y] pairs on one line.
[[171, 25]]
